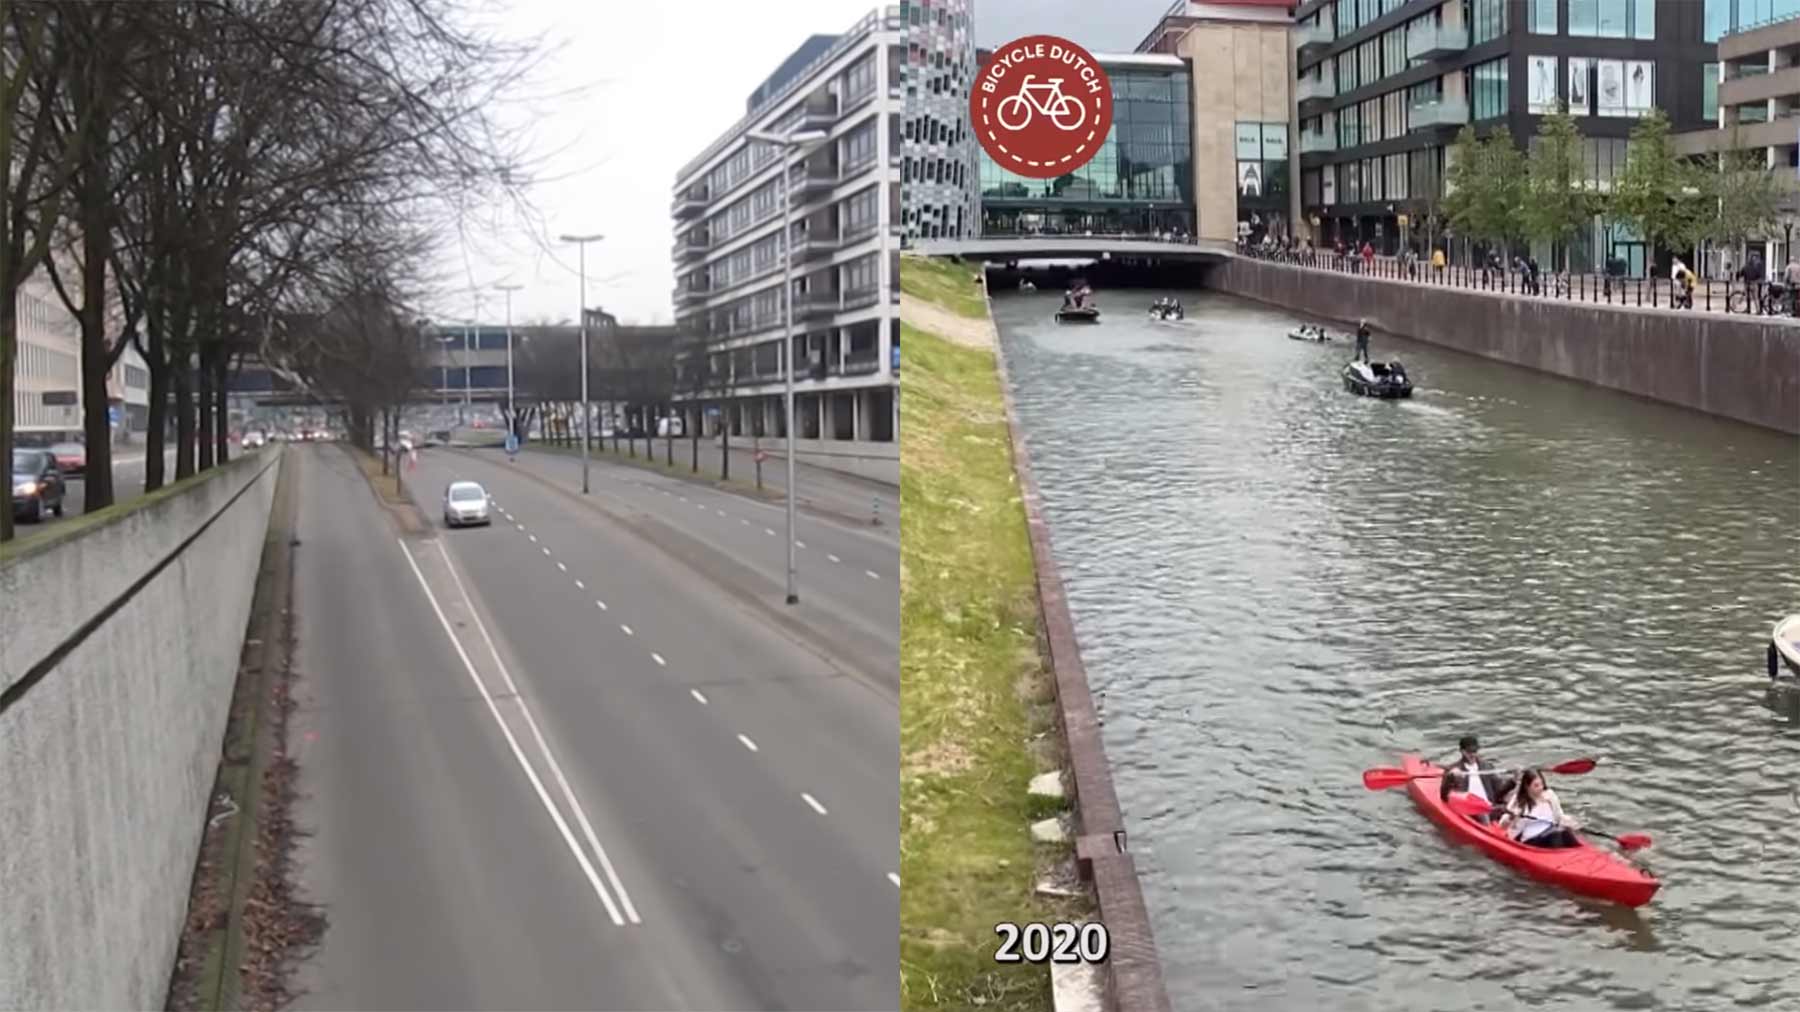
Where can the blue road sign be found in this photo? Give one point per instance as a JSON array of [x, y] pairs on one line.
[[113, 415], [512, 442]]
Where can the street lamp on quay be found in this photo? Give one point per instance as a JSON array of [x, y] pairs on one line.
[[801, 141], [512, 419], [581, 242]]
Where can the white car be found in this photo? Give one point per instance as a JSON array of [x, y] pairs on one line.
[[465, 502], [254, 440]]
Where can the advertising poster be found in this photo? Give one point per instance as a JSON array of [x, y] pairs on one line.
[[1249, 142], [1640, 87], [1611, 100], [1250, 179], [1541, 96], [1579, 104], [1275, 142]]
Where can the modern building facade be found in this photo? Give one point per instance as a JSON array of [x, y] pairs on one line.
[[844, 195], [47, 371], [1755, 95], [939, 167], [1384, 86], [1141, 181], [1242, 152]]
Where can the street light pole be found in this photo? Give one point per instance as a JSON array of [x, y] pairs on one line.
[[581, 242], [512, 418]]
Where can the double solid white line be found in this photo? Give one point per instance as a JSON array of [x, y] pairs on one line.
[[621, 911]]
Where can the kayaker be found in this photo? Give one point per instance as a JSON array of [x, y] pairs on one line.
[[1469, 773], [1535, 817]]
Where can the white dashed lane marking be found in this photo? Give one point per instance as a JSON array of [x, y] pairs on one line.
[[696, 694], [832, 557], [813, 803], [533, 538], [580, 586], [602, 604], [658, 658], [770, 531], [894, 879], [627, 629], [747, 743], [873, 575], [562, 567]]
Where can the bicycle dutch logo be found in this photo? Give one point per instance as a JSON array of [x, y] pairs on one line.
[[1042, 107]]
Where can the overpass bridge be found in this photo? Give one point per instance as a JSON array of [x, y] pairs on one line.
[[1078, 247]]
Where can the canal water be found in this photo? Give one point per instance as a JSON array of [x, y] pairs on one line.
[[1277, 585]]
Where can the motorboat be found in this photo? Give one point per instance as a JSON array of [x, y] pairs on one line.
[[1784, 647], [1025, 285], [1386, 380], [1309, 332], [1078, 314], [1171, 311]]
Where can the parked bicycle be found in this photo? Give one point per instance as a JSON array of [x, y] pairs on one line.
[[1764, 299]]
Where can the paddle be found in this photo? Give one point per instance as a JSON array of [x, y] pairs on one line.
[[1382, 777], [1470, 805]]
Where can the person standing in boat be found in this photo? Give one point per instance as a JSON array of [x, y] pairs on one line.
[[1473, 776], [1362, 340], [1536, 818]]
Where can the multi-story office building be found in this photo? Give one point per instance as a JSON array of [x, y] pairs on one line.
[[939, 168], [1141, 181], [1190, 153], [47, 370], [844, 197], [1383, 87]]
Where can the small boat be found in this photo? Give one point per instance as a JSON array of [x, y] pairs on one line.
[[1386, 380], [1078, 314], [1784, 647], [1585, 869], [1025, 285], [1308, 332]]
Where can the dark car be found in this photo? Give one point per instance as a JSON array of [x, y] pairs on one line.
[[37, 485]]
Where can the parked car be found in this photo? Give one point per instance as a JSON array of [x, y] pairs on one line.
[[71, 458], [465, 502], [37, 485]]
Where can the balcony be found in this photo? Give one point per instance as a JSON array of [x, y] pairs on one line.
[[861, 297], [691, 201], [819, 115], [862, 363], [1437, 43], [1313, 142], [810, 305], [816, 244], [692, 245], [1443, 113], [813, 185], [690, 293], [1315, 92], [1312, 40], [861, 230]]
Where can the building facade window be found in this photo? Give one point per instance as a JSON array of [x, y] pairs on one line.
[[1543, 17], [1614, 19], [1487, 20], [1488, 87], [1709, 95]]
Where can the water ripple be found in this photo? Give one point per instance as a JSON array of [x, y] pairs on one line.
[[1277, 585]]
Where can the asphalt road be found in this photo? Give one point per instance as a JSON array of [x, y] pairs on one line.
[[845, 574], [128, 484], [545, 766]]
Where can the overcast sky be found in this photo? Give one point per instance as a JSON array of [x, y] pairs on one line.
[[1113, 26], [632, 92]]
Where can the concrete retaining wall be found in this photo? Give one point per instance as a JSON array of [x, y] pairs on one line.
[[1732, 366], [874, 461], [119, 648], [1131, 978]]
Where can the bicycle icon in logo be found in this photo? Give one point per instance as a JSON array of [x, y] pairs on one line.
[[1015, 111]]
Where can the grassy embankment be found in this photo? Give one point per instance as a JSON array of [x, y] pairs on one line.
[[973, 689]]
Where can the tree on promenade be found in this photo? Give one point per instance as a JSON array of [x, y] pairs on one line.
[[1743, 197], [1659, 192], [1561, 199], [1485, 187]]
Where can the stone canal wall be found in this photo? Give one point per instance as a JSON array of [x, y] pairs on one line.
[[119, 646], [1131, 978], [1731, 366]]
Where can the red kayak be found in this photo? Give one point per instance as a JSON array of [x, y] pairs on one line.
[[1585, 870]]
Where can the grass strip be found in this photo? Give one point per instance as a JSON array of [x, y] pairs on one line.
[[945, 282], [973, 688]]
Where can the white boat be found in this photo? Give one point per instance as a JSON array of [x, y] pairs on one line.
[[1784, 647]]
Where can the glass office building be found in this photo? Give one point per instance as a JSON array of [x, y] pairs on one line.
[[1140, 182]]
